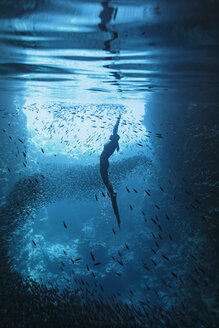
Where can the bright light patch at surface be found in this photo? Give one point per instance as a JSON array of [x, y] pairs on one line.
[[77, 130]]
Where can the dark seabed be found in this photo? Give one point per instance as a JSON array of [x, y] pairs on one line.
[[68, 69]]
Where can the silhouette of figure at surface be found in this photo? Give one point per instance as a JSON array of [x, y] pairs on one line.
[[108, 150], [106, 15]]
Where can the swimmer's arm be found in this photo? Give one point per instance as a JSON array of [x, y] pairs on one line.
[[115, 129]]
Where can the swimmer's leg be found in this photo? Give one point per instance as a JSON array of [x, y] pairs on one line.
[[116, 211], [104, 175]]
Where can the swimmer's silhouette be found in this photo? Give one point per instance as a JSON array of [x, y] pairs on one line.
[[106, 15], [108, 150]]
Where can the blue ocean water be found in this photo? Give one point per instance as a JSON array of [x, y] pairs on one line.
[[67, 71]]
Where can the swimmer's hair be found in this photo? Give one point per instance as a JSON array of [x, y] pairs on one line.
[[114, 137]]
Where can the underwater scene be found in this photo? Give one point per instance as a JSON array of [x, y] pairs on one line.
[[109, 163]]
